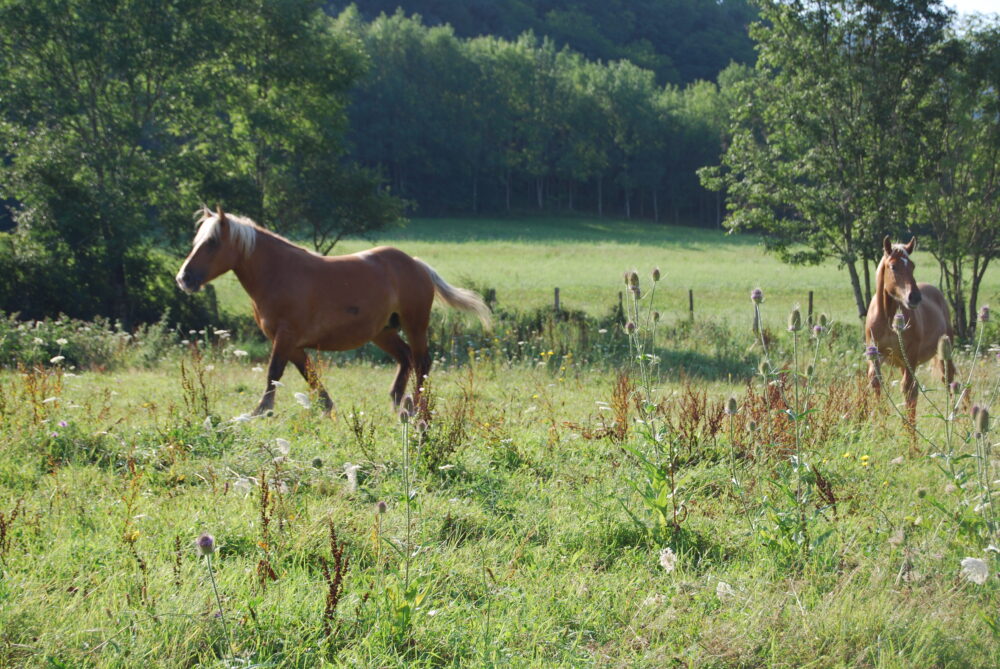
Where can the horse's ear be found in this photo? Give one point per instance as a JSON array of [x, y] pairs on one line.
[[221, 214], [911, 246], [887, 245]]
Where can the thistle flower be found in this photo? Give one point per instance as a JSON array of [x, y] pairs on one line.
[[407, 405], [983, 421], [629, 327], [795, 320], [668, 559], [381, 507], [633, 279], [317, 463], [404, 416], [944, 348], [818, 330], [656, 316], [975, 570], [731, 406], [656, 274], [205, 544], [871, 352], [824, 320], [984, 314], [756, 295], [899, 322], [955, 387], [752, 426]]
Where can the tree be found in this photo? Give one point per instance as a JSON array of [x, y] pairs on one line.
[[90, 90], [956, 202], [825, 142]]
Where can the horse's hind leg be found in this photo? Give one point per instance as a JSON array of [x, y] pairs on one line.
[[301, 360], [390, 342]]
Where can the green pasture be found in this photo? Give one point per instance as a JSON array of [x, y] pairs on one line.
[[525, 259]]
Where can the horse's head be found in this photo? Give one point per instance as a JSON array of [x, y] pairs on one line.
[[897, 273], [218, 246]]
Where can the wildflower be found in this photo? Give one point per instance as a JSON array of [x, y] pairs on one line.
[[303, 399], [954, 387], [818, 330], [381, 507], [283, 446], [975, 570], [865, 460], [351, 471], [656, 274], [724, 591], [899, 322], [38, 341], [871, 352], [633, 279], [240, 353], [752, 426], [984, 314], [756, 295], [205, 544], [656, 316], [731, 406], [407, 405], [944, 348], [63, 423], [629, 327], [257, 368], [62, 341], [668, 559], [824, 320], [795, 320], [57, 359], [317, 463]]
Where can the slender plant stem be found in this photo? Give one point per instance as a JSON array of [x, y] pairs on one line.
[[222, 614]]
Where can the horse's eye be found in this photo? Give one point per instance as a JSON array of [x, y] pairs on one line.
[[211, 243]]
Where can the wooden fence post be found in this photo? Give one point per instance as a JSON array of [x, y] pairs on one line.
[[691, 303], [557, 300], [810, 320]]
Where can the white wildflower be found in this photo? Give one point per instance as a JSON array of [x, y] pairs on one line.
[[57, 359], [351, 471], [240, 353], [303, 399], [257, 368], [668, 559], [975, 570], [62, 341], [209, 368], [283, 446], [38, 341], [724, 591]]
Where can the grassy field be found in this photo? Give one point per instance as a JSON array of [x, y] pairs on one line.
[[550, 513]]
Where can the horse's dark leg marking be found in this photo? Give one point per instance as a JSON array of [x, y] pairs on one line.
[[275, 368], [301, 360], [390, 342]]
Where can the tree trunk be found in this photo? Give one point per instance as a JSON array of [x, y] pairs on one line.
[[628, 204], [540, 191], [868, 282], [856, 286], [656, 208], [600, 197], [507, 187]]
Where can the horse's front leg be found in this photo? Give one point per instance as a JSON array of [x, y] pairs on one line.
[[875, 376], [301, 360], [275, 368]]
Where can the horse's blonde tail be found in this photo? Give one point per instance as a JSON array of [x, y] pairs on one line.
[[458, 298]]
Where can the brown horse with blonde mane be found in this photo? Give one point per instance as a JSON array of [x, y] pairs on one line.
[[919, 310], [304, 300]]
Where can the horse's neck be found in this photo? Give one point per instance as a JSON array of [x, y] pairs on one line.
[[268, 258]]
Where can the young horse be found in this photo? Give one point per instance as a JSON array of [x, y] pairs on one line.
[[303, 300], [926, 320]]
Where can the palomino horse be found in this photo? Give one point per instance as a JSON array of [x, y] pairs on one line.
[[304, 300], [925, 319]]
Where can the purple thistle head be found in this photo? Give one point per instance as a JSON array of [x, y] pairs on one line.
[[818, 330], [955, 387], [63, 423], [205, 544], [629, 327], [871, 352], [756, 295], [899, 322], [984, 314]]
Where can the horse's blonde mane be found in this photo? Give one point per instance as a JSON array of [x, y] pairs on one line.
[[242, 230]]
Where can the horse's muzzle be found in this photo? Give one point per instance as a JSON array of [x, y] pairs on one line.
[[913, 299], [189, 284]]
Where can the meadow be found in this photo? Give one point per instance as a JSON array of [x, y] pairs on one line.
[[571, 494]]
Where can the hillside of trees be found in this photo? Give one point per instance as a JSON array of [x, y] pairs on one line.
[[681, 41], [460, 126]]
